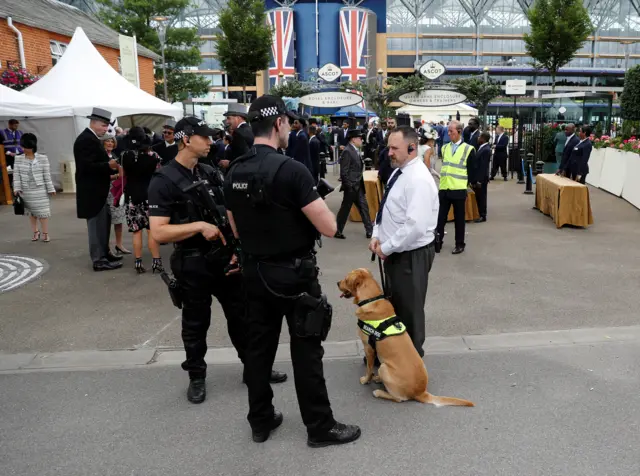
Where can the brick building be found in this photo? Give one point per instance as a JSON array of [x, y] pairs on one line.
[[47, 27]]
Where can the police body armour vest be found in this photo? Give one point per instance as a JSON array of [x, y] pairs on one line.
[[453, 174], [266, 228]]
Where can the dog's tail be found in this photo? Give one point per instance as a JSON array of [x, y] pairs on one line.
[[426, 397]]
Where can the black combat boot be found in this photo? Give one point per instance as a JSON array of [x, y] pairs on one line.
[[197, 391], [260, 436], [338, 435]]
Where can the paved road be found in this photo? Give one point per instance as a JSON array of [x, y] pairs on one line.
[[518, 274], [568, 411]]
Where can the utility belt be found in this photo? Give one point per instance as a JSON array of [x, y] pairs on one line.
[[312, 314]]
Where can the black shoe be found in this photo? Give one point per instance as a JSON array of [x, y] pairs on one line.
[[113, 258], [197, 391], [263, 435], [338, 435], [369, 235], [339, 235], [457, 250], [106, 266], [480, 220]]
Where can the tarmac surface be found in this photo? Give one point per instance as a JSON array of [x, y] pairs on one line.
[[562, 410], [518, 273]]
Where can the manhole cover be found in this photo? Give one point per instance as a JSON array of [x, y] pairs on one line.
[[16, 271]]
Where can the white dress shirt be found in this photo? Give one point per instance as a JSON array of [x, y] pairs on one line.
[[410, 213]]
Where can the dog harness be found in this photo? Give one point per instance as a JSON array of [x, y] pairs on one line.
[[380, 330]]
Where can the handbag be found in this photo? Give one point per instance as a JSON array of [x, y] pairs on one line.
[[18, 205]]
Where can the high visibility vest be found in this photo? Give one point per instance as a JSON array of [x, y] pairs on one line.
[[453, 174]]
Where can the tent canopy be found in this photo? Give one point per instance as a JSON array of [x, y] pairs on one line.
[[84, 80], [14, 104]]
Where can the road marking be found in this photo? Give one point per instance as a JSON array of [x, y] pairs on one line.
[[16, 271]]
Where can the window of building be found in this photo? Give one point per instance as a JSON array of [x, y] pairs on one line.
[[57, 50]]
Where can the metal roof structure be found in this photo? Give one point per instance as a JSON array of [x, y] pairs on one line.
[[58, 17]]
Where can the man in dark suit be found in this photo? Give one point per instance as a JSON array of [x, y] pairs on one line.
[[578, 164], [300, 152], [168, 148], [240, 131], [351, 169], [93, 180], [314, 151], [570, 143], [480, 178], [501, 151], [471, 132]]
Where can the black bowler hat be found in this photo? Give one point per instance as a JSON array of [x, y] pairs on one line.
[[269, 106], [192, 126], [353, 133], [100, 115]]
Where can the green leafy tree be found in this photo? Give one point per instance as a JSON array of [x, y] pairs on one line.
[[559, 28], [244, 47], [182, 45], [478, 92], [290, 88]]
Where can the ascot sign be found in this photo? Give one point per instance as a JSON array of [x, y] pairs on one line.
[[331, 99], [433, 98]]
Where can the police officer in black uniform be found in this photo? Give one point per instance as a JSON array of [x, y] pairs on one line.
[[203, 262], [276, 211]]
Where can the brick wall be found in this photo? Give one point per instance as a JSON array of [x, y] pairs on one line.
[[38, 54]]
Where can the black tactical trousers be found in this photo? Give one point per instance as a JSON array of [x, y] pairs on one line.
[[199, 281], [265, 313]]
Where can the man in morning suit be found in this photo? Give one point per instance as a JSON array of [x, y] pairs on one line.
[[93, 180]]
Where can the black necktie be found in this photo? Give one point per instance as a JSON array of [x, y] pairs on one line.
[[386, 194]]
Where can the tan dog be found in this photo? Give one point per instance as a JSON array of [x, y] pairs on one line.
[[402, 371]]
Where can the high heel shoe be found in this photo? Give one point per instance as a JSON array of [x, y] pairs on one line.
[[36, 236], [139, 267], [122, 251], [157, 266]]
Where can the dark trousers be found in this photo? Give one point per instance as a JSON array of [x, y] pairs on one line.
[[265, 313], [358, 198], [199, 281], [481, 198], [457, 199], [407, 276], [499, 162], [99, 228]]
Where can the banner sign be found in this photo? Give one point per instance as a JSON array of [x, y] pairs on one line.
[[331, 99], [129, 59], [433, 98]]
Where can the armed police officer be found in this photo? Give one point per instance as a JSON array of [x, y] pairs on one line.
[[186, 208], [276, 211]]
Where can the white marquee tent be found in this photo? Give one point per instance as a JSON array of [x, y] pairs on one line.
[[14, 104], [82, 79]]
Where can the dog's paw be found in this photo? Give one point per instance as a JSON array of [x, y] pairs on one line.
[[365, 380], [376, 379]]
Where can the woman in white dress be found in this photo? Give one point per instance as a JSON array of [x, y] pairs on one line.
[[32, 181]]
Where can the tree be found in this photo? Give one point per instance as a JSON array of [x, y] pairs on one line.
[[559, 28], [630, 100], [380, 99], [290, 88], [244, 47], [478, 92], [134, 17]]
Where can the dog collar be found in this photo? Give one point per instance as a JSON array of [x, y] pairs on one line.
[[373, 299]]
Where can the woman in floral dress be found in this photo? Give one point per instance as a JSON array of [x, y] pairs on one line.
[[139, 163]]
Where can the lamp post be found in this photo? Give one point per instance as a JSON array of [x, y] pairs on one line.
[[162, 36]]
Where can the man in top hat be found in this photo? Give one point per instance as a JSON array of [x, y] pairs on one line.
[[242, 136], [351, 169], [93, 179], [168, 148]]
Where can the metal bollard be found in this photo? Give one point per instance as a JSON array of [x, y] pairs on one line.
[[527, 170]]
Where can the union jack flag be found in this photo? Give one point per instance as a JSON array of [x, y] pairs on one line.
[[353, 44], [282, 57]]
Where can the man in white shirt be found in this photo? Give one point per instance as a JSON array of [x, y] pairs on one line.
[[404, 233]]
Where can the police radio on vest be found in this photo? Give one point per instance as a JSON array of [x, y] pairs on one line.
[[240, 186]]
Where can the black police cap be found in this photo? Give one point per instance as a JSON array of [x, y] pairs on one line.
[[192, 126], [269, 106]]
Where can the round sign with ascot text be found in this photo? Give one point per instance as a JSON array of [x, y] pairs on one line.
[[331, 99]]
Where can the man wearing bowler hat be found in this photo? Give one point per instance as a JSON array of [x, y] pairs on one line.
[[240, 132], [168, 148], [93, 179], [351, 169]]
